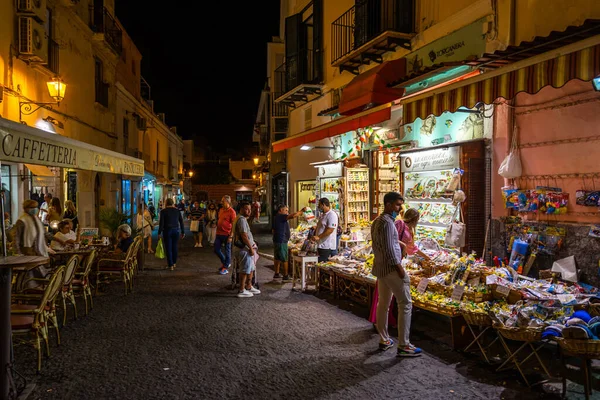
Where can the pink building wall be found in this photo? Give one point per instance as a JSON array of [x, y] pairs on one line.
[[570, 112]]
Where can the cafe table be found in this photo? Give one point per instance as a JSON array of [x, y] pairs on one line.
[[7, 264]]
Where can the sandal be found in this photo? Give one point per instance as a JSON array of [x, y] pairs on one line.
[[150, 251]]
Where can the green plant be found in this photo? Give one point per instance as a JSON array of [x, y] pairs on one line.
[[111, 219]]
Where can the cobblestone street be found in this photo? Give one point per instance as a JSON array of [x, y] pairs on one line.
[[184, 335]]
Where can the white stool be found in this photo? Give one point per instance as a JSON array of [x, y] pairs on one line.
[[303, 260]]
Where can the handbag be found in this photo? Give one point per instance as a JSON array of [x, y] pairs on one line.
[[195, 226], [456, 232], [511, 165]]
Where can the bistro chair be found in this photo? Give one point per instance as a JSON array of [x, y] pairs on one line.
[[81, 284], [116, 266], [33, 319]]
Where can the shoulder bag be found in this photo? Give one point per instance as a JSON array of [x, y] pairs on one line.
[[456, 232]]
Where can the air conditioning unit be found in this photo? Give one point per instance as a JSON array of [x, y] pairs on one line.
[[33, 43], [141, 123], [33, 8]]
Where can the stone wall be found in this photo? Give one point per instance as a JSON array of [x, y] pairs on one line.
[[578, 243]]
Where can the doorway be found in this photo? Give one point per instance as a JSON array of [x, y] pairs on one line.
[[97, 189]]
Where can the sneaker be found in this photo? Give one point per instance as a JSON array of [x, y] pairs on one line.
[[287, 278], [223, 271], [253, 290], [383, 346], [171, 268], [244, 293], [409, 351], [277, 276]]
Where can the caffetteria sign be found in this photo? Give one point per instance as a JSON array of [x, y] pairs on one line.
[[31, 146]]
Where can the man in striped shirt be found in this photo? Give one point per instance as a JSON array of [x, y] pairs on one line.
[[392, 279]]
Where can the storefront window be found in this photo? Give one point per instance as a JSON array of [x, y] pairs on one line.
[[126, 196], [6, 189], [306, 194], [72, 187]]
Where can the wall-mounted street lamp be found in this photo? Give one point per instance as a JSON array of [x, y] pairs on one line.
[[256, 160], [191, 173], [56, 89]]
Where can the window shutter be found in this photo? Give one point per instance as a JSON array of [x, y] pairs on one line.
[[293, 40], [318, 41]]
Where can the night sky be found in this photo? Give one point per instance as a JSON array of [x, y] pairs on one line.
[[205, 62]]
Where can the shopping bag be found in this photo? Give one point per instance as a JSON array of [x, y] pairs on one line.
[[456, 232], [160, 250], [511, 166], [195, 226]]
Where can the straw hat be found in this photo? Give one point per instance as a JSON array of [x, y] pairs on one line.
[[30, 204]]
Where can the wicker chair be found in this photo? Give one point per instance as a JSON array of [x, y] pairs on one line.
[[81, 284], [33, 319], [116, 266]]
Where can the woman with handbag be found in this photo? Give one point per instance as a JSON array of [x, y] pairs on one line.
[[197, 224], [145, 224]]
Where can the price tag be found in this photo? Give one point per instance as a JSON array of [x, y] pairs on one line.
[[422, 287], [457, 293], [474, 281], [491, 279], [503, 290]]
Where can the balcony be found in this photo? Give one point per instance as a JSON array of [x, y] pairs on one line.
[[101, 93], [298, 79], [370, 29], [106, 28], [53, 52], [278, 109]]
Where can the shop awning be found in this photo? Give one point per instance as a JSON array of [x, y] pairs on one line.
[[336, 127], [24, 144], [39, 170], [371, 87], [579, 60]]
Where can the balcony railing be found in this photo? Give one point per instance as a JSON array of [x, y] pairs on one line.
[[145, 89], [278, 109], [53, 50], [368, 19], [102, 93], [101, 21], [297, 70]]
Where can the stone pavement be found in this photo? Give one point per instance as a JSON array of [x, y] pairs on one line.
[[184, 335]]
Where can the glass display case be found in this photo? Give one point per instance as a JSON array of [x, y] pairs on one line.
[[387, 178], [357, 196]]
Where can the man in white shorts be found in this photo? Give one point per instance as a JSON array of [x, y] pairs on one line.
[[244, 254]]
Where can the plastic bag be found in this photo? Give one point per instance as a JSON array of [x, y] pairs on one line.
[[160, 250], [511, 166]]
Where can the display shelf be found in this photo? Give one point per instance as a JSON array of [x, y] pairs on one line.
[[356, 205], [438, 200]]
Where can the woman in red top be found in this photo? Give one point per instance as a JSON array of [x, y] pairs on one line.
[[224, 224], [406, 228]]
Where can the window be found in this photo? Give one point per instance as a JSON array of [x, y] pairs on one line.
[[157, 154], [133, 69], [52, 45], [6, 189], [126, 196], [246, 174], [307, 118], [124, 55], [125, 135], [100, 86]]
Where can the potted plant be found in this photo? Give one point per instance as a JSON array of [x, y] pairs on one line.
[[111, 219]]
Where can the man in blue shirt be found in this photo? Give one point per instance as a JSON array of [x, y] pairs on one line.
[[281, 235]]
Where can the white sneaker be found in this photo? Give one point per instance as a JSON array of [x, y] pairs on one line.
[[253, 290], [244, 293]]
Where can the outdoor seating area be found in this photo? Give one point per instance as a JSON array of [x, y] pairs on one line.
[[48, 292]]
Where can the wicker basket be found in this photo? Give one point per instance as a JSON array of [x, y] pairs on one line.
[[519, 334], [594, 309], [586, 348], [478, 319]]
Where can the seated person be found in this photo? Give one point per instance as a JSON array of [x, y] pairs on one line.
[[64, 237], [124, 239]]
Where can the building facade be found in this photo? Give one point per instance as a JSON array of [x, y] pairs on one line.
[[46, 46], [351, 66]]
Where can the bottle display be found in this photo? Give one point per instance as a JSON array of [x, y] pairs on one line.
[[357, 196]]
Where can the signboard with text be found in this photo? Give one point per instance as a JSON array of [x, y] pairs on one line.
[[32, 146], [430, 160]]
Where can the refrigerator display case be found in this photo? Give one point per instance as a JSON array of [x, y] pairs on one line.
[[330, 184], [425, 175], [357, 204]]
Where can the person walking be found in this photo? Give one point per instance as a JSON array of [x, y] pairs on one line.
[[281, 235], [170, 226], [255, 212], [325, 232], [197, 216], [43, 211], [145, 224], [245, 253], [224, 224], [211, 223], [391, 278]]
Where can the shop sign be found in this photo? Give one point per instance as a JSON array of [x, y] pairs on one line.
[[457, 46], [330, 170], [430, 160], [37, 149]]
